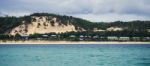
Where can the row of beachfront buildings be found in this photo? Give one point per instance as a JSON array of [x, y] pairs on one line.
[[88, 38], [111, 38]]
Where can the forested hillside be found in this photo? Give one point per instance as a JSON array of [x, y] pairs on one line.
[[8, 23]]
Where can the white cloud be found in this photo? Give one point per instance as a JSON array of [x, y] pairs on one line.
[[111, 17], [88, 9]]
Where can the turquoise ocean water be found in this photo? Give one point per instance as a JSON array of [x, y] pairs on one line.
[[75, 55]]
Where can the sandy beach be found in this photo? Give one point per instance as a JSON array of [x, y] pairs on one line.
[[68, 42]]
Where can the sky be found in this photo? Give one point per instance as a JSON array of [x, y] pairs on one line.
[[93, 10]]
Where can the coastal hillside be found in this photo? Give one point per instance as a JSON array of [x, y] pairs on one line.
[[42, 23]]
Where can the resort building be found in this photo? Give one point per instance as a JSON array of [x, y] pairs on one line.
[[136, 38], [112, 38], [124, 38]]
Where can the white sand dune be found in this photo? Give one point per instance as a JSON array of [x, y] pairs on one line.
[[42, 25]]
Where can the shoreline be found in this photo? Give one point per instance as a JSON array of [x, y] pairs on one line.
[[69, 42]]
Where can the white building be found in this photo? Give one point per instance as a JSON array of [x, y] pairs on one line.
[[112, 38], [124, 38], [72, 36], [136, 38]]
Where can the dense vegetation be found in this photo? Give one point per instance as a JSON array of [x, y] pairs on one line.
[[8, 23], [83, 36]]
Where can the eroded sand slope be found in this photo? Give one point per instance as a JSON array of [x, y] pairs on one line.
[[43, 24]]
